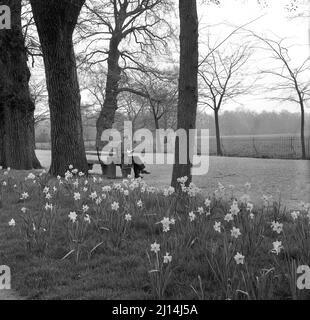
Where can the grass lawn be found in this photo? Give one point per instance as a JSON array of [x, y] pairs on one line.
[[108, 247]]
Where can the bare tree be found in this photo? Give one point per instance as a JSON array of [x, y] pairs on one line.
[[40, 100], [294, 83], [120, 23], [160, 90], [188, 84], [93, 81], [32, 42], [133, 106], [56, 21], [222, 79]]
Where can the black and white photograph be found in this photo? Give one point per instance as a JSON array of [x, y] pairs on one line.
[[154, 154]]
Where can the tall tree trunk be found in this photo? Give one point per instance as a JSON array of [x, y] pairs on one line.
[[217, 132], [188, 83], [55, 21], [107, 114], [157, 135], [302, 134], [16, 107]]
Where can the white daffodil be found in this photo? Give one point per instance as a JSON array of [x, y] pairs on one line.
[[24, 196], [30, 176], [192, 216], [77, 196], [48, 196], [167, 258], [200, 210], [155, 247], [277, 247], [115, 206], [128, 217], [229, 217], [93, 195], [85, 208], [87, 218], [72, 216], [217, 227], [235, 232], [166, 224], [239, 258], [277, 227], [295, 215], [12, 223], [48, 207]]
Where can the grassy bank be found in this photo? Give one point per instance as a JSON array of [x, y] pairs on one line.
[[79, 238]]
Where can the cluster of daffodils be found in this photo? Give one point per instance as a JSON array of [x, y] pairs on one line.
[[169, 191], [277, 247], [85, 194], [218, 226], [166, 222], [192, 216], [5, 173], [220, 191], [200, 211], [295, 215], [31, 176], [207, 204], [267, 200], [12, 223], [250, 208], [155, 247], [73, 217], [277, 227], [234, 208], [192, 190], [233, 211]]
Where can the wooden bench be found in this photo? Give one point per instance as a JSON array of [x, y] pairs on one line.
[[107, 170]]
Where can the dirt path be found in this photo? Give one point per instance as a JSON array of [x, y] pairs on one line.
[[267, 176]]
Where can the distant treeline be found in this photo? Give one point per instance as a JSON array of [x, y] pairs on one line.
[[231, 123], [252, 123]]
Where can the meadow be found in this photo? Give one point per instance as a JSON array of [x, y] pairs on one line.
[[83, 237], [262, 146]]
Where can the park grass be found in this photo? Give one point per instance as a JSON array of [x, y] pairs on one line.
[[115, 260]]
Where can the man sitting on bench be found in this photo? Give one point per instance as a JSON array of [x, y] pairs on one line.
[[138, 166]]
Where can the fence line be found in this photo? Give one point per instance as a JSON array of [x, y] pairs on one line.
[[278, 147]]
